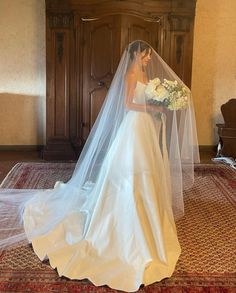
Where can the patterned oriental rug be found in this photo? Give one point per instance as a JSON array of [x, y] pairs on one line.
[[207, 234]]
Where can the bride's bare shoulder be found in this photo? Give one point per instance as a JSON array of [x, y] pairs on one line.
[[130, 76]]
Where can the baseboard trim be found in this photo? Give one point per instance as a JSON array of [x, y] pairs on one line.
[[207, 148], [21, 148], [25, 148]]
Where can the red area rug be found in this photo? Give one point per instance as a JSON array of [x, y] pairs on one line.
[[207, 234], [37, 175]]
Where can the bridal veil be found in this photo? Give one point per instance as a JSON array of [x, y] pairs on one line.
[[178, 135]]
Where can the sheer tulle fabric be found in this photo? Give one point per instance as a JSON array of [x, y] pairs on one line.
[[124, 146], [181, 141]]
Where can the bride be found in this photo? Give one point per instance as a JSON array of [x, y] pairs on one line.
[[113, 222]]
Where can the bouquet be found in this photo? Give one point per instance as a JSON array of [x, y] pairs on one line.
[[170, 94]]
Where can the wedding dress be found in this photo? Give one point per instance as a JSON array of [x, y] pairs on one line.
[[130, 236], [113, 222]]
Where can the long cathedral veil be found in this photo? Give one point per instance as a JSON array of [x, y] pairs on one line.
[[73, 202]]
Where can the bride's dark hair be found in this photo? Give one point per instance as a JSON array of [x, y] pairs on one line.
[[138, 46]]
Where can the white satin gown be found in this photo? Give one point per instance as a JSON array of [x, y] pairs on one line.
[[131, 237]]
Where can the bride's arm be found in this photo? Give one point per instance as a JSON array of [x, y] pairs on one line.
[[131, 82]]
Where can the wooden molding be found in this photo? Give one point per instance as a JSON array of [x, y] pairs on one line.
[[59, 45], [95, 7], [183, 5], [180, 23], [207, 148], [58, 150], [21, 148], [60, 20], [144, 16]]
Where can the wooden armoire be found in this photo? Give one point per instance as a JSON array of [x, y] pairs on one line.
[[84, 42]]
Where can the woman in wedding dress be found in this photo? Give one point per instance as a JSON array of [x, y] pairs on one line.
[[113, 222]]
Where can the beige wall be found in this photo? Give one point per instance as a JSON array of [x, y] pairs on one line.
[[22, 68], [214, 64], [22, 72]]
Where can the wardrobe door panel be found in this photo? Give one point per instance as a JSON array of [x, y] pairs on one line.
[[59, 81], [137, 28], [181, 44], [101, 53]]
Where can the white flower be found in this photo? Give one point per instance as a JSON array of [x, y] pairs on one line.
[[161, 93], [150, 90], [172, 94], [156, 81]]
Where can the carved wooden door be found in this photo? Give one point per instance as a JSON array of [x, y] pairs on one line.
[[100, 57], [104, 40]]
